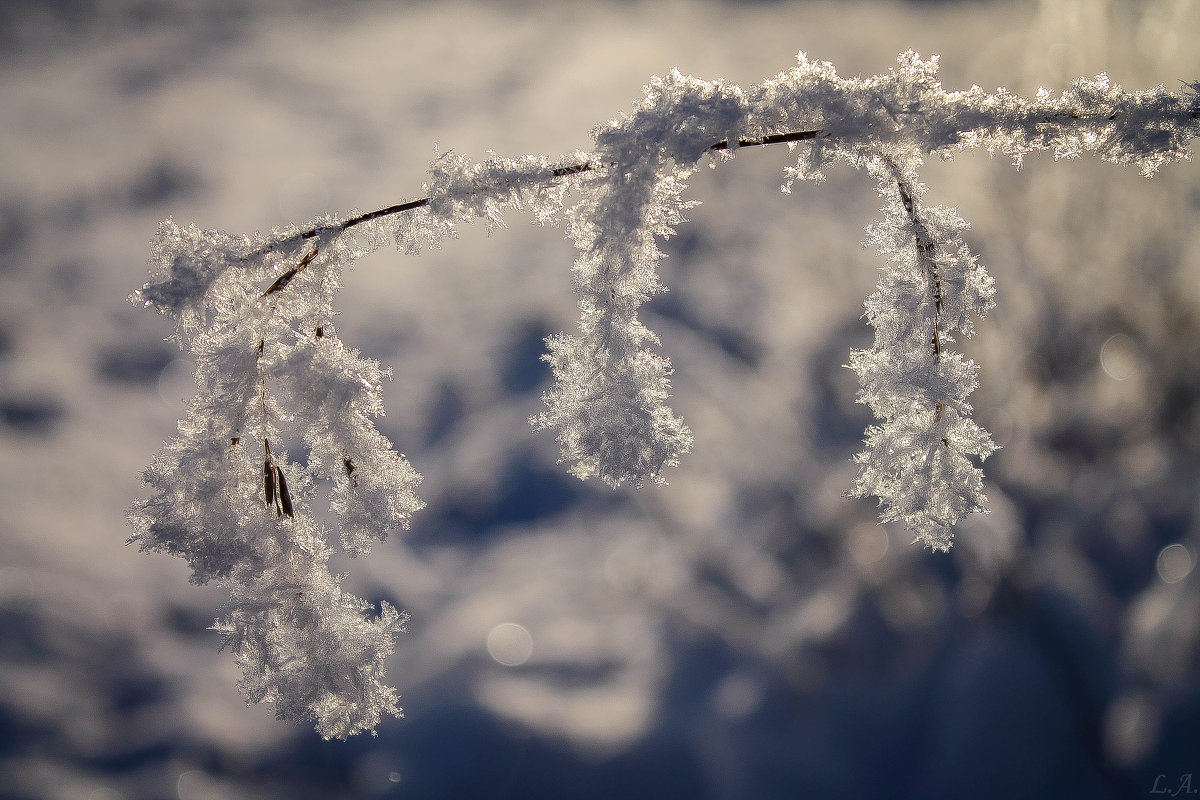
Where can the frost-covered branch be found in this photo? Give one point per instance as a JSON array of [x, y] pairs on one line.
[[918, 461], [556, 172], [257, 313]]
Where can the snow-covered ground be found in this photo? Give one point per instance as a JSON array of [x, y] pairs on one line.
[[742, 633]]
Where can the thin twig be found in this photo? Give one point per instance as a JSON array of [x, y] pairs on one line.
[[772, 138], [399, 208], [558, 172], [925, 247], [283, 280]]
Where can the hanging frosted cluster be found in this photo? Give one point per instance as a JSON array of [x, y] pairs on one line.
[[921, 460], [257, 316], [918, 461], [272, 373], [273, 376], [608, 401]]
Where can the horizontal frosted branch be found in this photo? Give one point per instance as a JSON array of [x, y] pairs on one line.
[[908, 106]]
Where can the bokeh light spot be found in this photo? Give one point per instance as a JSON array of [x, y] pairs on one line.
[[1131, 727], [510, 644], [1174, 563], [737, 695], [1119, 357], [194, 784], [869, 544]]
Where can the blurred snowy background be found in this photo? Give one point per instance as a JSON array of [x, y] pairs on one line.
[[742, 633]]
